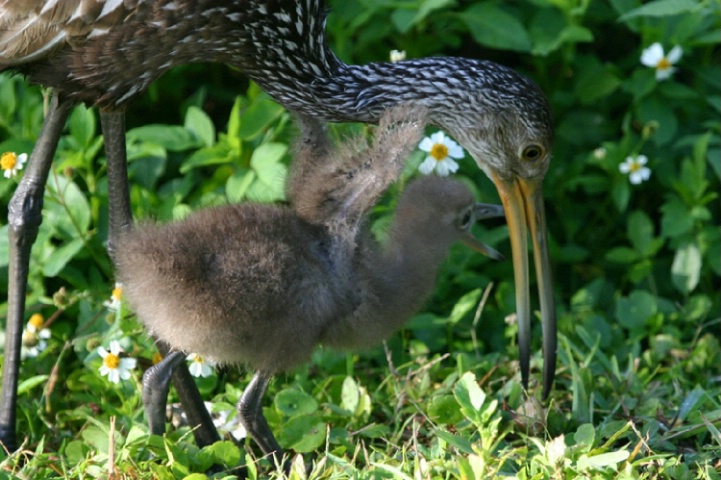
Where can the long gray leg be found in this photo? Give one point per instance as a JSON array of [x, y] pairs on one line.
[[120, 220], [250, 409], [156, 384], [24, 218]]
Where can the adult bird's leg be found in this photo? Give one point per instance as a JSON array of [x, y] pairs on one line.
[[250, 409], [24, 218], [121, 219]]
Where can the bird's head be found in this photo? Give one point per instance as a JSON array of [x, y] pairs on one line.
[[504, 120]]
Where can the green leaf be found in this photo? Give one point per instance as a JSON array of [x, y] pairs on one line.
[[173, 137], [350, 395], [292, 402], [444, 409], [303, 434], [633, 311], [464, 305], [661, 8], [603, 460], [269, 185], [82, 125], [60, 257], [675, 220], [199, 124], [640, 231], [29, 383], [223, 452], [585, 436], [461, 443], [622, 255], [491, 26], [470, 397], [219, 153], [258, 117], [67, 210], [238, 184], [686, 268]]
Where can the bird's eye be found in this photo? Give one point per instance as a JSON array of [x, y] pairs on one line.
[[532, 153], [466, 219]]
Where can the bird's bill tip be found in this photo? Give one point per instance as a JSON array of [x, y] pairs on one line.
[[475, 244]]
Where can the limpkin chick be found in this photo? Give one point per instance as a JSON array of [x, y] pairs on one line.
[[262, 285]]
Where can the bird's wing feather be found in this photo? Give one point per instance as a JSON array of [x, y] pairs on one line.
[[30, 31]]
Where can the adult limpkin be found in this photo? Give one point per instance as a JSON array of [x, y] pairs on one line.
[[107, 52]]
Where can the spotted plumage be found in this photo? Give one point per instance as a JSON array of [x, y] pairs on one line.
[[107, 52]]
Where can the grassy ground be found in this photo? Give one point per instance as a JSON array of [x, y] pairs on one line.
[[637, 268]]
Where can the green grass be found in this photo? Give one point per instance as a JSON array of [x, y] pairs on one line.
[[636, 268]]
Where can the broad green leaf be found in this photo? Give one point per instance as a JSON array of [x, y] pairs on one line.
[[224, 452], [60, 257], [465, 304], [492, 26], [640, 231], [350, 395], [469, 396], [585, 436], [661, 8], [258, 117], [199, 123], [622, 255], [219, 153], [292, 402], [238, 184], [686, 268], [633, 311], [303, 434], [67, 210], [675, 220], [82, 125], [173, 137]]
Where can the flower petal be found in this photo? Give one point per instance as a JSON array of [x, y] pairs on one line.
[[652, 55], [426, 144], [426, 168], [675, 54]]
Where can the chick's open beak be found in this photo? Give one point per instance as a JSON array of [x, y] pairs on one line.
[[523, 202], [482, 211]]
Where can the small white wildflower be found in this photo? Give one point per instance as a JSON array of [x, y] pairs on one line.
[[113, 366], [599, 153], [556, 450], [113, 304], [224, 423], [442, 151], [12, 163], [634, 167], [654, 57], [398, 55], [199, 367], [35, 336]]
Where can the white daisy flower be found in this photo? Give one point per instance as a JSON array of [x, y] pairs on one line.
[[35, 336], [635, 167], [113, 366], [12, 163], [199, 367], [398, 55], [654, 57], [442, 151], [113, 304]]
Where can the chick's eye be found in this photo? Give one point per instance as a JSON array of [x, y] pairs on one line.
[[532, 153], [466, 219]]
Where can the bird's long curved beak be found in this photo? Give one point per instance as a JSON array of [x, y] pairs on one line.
[[523, 202], [482, 211]]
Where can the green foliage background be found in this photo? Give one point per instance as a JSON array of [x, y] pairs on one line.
[[636, 266]]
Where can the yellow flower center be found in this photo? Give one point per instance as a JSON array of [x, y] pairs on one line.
[[117, 293], [157, 358], [111, 361], [8, 160], [663, 64], [36, 320], [439, 151], [635, 166], [198, 359]]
